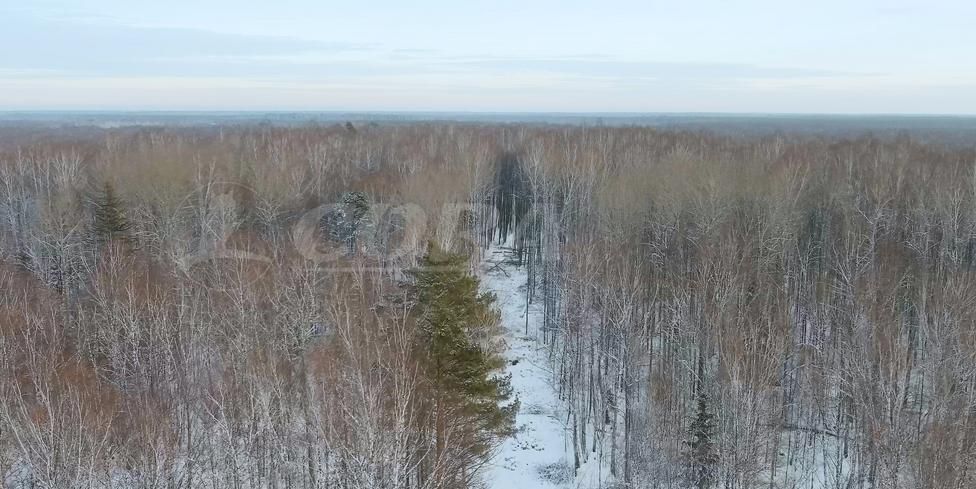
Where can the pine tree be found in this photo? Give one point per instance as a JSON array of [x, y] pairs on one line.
[[452, 312], [110, 223], [701, 455], [348, 220]]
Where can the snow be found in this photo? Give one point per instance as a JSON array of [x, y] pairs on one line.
[[539, 455]]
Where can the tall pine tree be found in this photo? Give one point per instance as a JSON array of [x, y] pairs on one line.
[[702, 459], [109, 223], [466, 392]]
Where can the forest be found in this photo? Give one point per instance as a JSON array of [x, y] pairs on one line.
[[252, 306]]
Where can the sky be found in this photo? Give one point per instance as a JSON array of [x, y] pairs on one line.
[[746, 56]]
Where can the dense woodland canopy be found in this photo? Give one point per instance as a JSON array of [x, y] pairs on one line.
[[260, 307]]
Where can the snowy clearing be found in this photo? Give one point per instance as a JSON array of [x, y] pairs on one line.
[[539, 455]]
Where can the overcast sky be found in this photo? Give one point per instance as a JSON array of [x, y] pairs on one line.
[[828, 56]]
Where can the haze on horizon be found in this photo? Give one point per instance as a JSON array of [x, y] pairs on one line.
[[909, 57]]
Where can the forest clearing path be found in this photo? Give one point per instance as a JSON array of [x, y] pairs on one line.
[[536, 457]]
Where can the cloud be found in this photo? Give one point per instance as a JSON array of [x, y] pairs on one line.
[[72, 47], [99, 48], [97, 62], [603, 67]]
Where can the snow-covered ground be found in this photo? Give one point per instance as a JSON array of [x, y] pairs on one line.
[[539, 455]]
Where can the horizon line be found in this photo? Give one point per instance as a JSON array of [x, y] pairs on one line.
[[282, 111]]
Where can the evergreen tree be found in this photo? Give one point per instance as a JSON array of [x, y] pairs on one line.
[[451, 313], [701, 455], [357, 204], [513, 195], [348, 220], [110, 223]]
